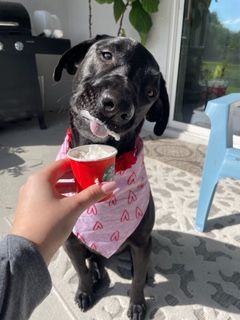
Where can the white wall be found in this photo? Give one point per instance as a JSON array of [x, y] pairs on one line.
[[103, 22], [73, 15]]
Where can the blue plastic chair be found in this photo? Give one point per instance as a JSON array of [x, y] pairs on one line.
[[222, 160]]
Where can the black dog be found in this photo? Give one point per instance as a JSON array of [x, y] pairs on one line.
[[118, 82]]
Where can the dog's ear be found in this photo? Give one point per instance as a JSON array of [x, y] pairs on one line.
[[159, 111], [71, 58]]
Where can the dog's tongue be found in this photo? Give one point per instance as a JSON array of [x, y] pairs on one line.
[[98, 129]]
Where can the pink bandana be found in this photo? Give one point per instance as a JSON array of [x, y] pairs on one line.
[[105, 226]]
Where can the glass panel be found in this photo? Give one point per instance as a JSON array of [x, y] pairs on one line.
[[209, 64]]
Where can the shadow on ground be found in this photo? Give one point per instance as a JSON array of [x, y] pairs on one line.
[[186, 269], [27, 132], [18, 139]]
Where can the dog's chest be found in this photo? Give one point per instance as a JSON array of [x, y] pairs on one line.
[[105, 226]]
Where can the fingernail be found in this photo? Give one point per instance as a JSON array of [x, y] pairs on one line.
[[108, 187], [115, 190]]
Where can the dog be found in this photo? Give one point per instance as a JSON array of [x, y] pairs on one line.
[[117, 85]]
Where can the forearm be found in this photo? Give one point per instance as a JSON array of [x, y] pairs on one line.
[[24, 278]]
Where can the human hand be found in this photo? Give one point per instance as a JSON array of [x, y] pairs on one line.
[[46, 217]]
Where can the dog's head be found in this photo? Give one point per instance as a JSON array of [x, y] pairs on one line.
[[117, 84]]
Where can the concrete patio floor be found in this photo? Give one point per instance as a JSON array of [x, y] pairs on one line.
[[193, 276]]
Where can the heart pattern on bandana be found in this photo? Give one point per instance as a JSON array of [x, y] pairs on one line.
[[125, 216], [112, 201], [115, 236], [92, 210], [131, 197], [139, 213], [106, 225], [93, 247], [98, 226], [132, 178], [80, 237]]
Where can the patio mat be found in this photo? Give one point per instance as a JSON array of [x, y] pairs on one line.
[[180, 154], [192, 275]]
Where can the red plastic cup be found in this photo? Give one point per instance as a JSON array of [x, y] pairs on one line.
[[89, 167]]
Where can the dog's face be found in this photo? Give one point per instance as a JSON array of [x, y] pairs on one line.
[[118, 82]]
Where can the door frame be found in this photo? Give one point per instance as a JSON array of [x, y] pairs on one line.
[[176, 128], [172, 73]]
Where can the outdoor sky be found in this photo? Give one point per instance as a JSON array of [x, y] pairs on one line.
[[228, 12]]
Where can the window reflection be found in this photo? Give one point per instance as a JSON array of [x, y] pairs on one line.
[[210, 57]]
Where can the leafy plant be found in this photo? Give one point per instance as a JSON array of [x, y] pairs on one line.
[[139, 14], [218, 72]]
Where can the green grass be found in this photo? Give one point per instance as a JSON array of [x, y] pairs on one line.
[[232, 89], [232, 74]]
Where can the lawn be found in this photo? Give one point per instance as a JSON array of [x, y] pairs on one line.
[[232, 74]]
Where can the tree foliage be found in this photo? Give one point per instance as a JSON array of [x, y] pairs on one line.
[[222, 44]]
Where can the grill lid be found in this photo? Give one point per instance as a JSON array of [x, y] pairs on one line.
[[14, 17]]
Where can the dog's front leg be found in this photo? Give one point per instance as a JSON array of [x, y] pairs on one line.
[[78, 254], [140, 258]]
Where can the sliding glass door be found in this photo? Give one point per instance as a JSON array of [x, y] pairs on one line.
[[209, 64]]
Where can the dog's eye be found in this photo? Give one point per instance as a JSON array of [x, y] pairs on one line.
[[107, 55], [151, 93]]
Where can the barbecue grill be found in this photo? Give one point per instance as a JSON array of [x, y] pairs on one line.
[[20, 95]]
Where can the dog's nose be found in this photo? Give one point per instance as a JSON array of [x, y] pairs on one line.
[[118, 109], [108, 105]]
